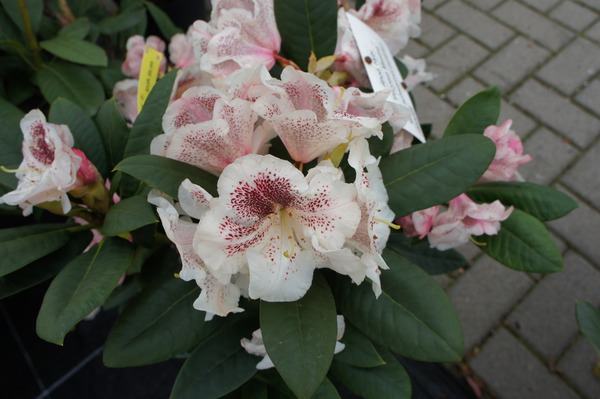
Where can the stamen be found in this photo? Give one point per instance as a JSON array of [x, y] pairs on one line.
[[176, 275], [392, 225], [290, 236], [339, 99], [7, 170], [478, 243]]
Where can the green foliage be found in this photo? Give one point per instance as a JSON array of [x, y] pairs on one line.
[[523, 243], [129, 214], [300, 337], [129, 18], [429, 259], [166, 26], [477, 113], [113, 131], [76, 50], [82, 286], [433, 173], [35, 9], [588, 317], [359, 350], [10, 141], [305, 26], [545, 203], [381, 147]]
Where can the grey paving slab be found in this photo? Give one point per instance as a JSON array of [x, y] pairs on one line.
[[584, 177], [484, 294], [512, 63], [546, 317], [469, 251], [595, 4], [415, 50], [484, 4], [594, 32], [542, 5], [431, 4], [512, 372], [577, 366], [432, 109], [443, 280], [575, 64], [557, 112], [433, 31], [475, 23], [573, 15], [533, 24], [454, 59], [590, 96], [580, 229], [550, 155]]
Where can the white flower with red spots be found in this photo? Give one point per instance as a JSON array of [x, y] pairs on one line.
[[267, 221], [49, 167]]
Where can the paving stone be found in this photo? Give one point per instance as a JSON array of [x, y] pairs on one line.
[[454, 59], [512, 372], [485, 4], [550, 156], [579, 229], [431, 4], [546, 317], [590, 96], [594, 32], [542, 5], [474, 23], [578, 62], [512, 63], [443, 280], [591, 3], [583, 178], [484, 294], [432, 109], [469, 251], [532, 24], [573, 15], [557, 112], [464, 90], [433, 31], [415, 49], [577, 365]]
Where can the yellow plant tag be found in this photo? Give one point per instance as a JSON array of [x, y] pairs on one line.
[[148, 74]]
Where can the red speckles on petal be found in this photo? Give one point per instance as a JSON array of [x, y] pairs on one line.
[[264, 194], [41, 150]]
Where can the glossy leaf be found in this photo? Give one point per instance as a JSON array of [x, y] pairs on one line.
[[545, 203], [113, 130], [326, 391], [588, 318], [431, 260], [127, 19], [81, 287], [77, 29], [217, 366], [76, 50], [159, 324], [523, 243], [166, 174], [86, 135], [19, 246], [381, 147], [148, 123], [10, 141], [166, 26], [44, 268], [477, 113], [129, 214], [305, 26], [359, 350], [300, 337], [436, 172], [412, 317], [72, 82], [35, 9]]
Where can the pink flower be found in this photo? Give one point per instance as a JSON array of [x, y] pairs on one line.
[[135, 52], [509, 153], [418, 223], [181, 50], [125, 93], [465, 218], [49, 167]]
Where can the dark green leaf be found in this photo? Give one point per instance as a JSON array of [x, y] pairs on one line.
[[35, 9], [127, 19], [8, 29], [80, 7], [477, 113], [77, 29], [166, 26], [110, 75], [19, 246], [359, 350], [72, 82], [44, 268], [523, 243], [432, 173], [381, 382], [429, 259], [123, 293], [159, 324], [326, 391], [300, 337], [412, 317], [545, 203], [81, 287], [86, 135], [166, 174], [76, 50], [148, 123], [113, 130], [305, 26], [217, 366], [10, 141], [381, 147], [588, 317], [129, 214]]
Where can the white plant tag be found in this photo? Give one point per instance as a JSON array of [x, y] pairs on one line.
[[382, 70]]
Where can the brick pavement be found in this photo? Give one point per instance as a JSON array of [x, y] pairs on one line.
[[521, 336]]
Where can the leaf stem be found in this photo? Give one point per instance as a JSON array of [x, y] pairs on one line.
[[32, 42]]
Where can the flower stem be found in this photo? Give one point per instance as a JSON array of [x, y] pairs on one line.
[[32, 42]]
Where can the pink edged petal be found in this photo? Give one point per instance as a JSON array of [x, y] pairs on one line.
[[187, 78], [196, 105], [247, 83], [193, 199], [509, 153], [125, 93], [216, 298]]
